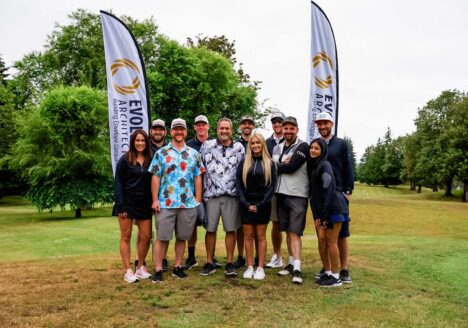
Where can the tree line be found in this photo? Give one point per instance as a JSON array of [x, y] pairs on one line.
[[434, 156], [53, 108]]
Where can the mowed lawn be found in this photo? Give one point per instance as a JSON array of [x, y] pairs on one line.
[[409, 264]]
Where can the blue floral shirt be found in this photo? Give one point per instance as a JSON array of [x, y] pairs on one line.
[[177, 170]]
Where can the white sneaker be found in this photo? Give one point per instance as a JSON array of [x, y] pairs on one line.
[[142, 273], [259, 274], [249, 273], [275, 262], [130, 277]]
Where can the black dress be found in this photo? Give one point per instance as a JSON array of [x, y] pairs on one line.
[[256, 193], [132, 188]]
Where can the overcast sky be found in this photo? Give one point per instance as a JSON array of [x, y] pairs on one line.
[[393, 56]]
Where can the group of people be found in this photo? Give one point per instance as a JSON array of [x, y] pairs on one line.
[[246, 183]]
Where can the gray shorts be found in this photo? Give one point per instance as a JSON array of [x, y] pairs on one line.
[[274, 209], [181, 219], [292, 212], [225, 206]]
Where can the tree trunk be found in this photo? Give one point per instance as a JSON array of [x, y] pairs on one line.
[[412, 185], [435, 187], [448, 187], [419, 189], [465, 191], [78, 213]]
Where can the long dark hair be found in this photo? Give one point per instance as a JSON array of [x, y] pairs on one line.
[[314, 163], [133, 153]]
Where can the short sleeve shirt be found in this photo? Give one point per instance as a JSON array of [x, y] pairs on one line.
[[177, 170], [221, 166]]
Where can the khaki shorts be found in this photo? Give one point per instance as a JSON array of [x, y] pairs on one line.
[[225, 206], [182, 220]]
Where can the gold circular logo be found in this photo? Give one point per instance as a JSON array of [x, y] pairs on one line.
[[125, 63], [316, 60]]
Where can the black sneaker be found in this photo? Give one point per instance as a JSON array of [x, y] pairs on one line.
[[240, 262], [165, 265], [330, 281], [179, 273], [216, 263], [322, 278], [190, 263], [230, 270], [288, 269], [208, 268], [345, 277], [297, 277], [320, 274], [157, 277]]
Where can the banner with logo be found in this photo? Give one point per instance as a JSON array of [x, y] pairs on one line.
[[126, 85], [323, 95]]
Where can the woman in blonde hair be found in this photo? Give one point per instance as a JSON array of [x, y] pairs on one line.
[[255, 184]]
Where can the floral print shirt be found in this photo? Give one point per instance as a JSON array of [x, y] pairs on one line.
[[177, 170], [221, 165]]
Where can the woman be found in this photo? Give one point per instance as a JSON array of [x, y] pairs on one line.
[[255, 184], [132, 188], [328, 208]]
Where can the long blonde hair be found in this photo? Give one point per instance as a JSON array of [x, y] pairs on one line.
[[266, 160]]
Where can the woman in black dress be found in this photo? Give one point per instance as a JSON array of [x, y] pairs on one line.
[[328, 208], [132, 186], [255, 184]]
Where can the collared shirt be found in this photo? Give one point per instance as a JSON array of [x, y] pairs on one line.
[[195, 143], [221, 165], [177, 170]]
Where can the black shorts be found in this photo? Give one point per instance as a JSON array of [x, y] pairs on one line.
[[292, 212]]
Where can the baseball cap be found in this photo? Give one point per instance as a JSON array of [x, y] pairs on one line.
[[324, 116], [247, 118], [158, 124], [178, 122], [277, 115], [201, 118], [290, 120]]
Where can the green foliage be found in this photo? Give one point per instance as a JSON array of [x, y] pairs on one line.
[[435, 159], [349, 141], [187, 82], [63, 150], [382, 163], [74, 55]]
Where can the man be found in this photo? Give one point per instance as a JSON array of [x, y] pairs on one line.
[[221, 157], [276, 138], [341, 161], [158, 135], [176, 188], [246, 126], [201, 127], [292, 190], [158, 140]]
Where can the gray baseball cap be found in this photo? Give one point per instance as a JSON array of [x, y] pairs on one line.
[[247, 118], [324, 116], [178, 122], [277, 115], [201, 118], [289, 120], [158, 124]]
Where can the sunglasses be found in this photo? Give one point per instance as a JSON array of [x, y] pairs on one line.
[[276, 121]]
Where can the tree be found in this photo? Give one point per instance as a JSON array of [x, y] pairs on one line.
[[411, 146], [434, 158], [455, 139], [63, 150], [74, 55], [393, 160], [223, 46], [187, 82]]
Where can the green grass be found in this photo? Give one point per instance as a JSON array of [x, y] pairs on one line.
[[407, 257]]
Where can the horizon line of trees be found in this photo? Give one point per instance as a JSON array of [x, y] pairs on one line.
[[434, 156]]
